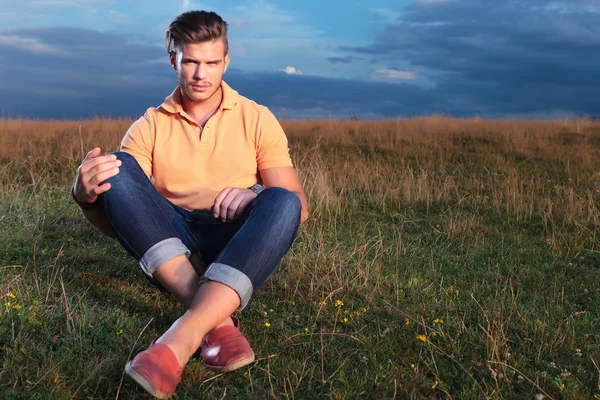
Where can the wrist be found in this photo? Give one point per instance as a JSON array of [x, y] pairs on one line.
[[83, 206]]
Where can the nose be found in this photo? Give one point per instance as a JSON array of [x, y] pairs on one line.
[[200, 72]]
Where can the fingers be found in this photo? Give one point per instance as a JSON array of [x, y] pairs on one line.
[[95, 152], [93, 162], [224, 209], [242, 207], [94, 170], [103, 172], [216, 208], [98, 190], [233, 207], [231, 203]]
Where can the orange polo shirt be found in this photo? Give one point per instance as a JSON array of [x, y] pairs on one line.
[[190, 164]]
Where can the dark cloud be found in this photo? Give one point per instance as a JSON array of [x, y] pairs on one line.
[[94, 73], [342, 60], [335, 97], [527, 57], [517, 56], [104, 74]]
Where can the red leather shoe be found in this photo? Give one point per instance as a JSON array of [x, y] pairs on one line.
[[156, 370], [225, 349]]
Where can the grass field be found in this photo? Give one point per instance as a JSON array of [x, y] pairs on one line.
[[443, 258]]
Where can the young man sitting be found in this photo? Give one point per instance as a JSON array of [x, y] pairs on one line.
[[185, 191]]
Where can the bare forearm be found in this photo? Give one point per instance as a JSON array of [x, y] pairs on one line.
[[304, 212]]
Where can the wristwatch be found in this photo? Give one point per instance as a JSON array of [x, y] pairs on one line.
[[256, 188]]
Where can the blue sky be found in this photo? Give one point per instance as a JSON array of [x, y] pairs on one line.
[[312, 59]]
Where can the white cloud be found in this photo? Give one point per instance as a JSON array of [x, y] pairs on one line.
[[570, 7], [291, 70], [392, 74], [268, 20], [31, 45], [185, 5]]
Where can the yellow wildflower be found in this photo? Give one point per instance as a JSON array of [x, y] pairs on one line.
[[422, 338], [7, 304], [407, 322], [438, 321], [415, 279], [120, 331], [17, 306], [268, 324], [364, 310], [434, 384], [339, 303], [11, 295], [305, 330], [323, 303], [345, 320]]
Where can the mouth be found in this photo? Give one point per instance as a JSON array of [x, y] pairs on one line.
[[200, 88]]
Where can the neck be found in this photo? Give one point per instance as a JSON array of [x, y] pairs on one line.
[[201, 111]]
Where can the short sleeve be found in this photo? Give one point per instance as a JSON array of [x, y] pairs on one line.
[[139, 142], [272, 145]]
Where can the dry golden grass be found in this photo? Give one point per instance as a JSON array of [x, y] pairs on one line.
[[424, 160]]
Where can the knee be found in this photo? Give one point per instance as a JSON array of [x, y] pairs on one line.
[[283, 202], [128, 171]]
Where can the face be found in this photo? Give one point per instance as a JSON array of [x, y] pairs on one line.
[[200, 68]]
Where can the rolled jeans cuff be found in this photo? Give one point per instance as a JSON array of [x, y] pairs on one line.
[[162, 252], [233, 278]]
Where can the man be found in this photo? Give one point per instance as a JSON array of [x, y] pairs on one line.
[[206, 148]]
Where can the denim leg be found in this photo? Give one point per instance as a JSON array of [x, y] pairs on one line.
[[267, 231], [148, 226]]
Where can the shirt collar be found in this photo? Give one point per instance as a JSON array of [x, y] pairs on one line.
[[172, 103]]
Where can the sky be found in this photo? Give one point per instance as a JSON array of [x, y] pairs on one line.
[[378, 59]]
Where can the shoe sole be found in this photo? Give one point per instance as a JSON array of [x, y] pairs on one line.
[[231, 367], [144, 383]]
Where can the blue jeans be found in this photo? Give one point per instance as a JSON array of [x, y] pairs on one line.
[[241, 254]]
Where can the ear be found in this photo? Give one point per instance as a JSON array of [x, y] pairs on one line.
[[227, 58], [173, 59]]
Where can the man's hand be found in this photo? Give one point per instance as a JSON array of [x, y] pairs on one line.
[[93, 170], [231, 203]]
